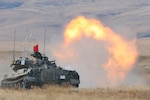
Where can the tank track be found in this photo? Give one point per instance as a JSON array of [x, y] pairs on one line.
[[15, 83]]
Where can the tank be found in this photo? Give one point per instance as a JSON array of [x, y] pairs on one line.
[[38, 72]]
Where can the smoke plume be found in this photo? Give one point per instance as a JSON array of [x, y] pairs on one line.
[[100, 55]]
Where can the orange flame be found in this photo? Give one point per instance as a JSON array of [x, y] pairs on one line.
[[122, 53]]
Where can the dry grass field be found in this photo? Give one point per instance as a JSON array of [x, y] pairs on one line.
[[63, 93]]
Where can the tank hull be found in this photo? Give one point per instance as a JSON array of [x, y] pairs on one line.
[[44, 76]]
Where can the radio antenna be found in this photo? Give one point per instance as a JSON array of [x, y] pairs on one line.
[[27, 40], [14, 45], [44, 42]]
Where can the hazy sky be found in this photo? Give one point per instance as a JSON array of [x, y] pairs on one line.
[[31, 16]]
